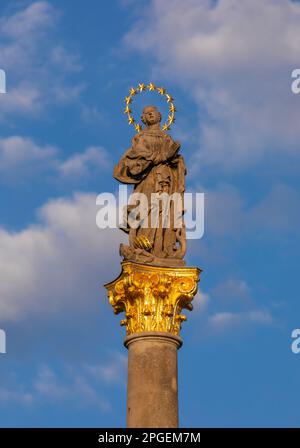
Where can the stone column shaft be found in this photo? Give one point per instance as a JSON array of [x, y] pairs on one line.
[[152, 389]]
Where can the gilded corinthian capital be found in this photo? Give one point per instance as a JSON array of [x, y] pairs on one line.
[[153, 297]]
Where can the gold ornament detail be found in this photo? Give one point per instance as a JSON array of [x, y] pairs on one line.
[[151, 88], [153, 297], [142, 242]]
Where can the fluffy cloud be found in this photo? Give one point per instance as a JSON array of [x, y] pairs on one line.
[[113, 371], [225, 320], [227, 213], [57, 262], [15, 395], [233, 290], [33, 20], [201, 301], [21, 156], [278, 211], [70, 385], [80, 164], [36, 66], [80, 384], [236, 58], [230, 304]]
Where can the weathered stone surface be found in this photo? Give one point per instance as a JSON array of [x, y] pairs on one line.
[[152, 391], [152, 164]]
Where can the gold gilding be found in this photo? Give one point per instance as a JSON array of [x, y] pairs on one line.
[[153, 297]]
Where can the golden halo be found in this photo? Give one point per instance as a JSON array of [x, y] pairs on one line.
[[151, 87]]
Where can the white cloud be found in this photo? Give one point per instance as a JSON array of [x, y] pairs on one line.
[[15, 395], [36, 65], [92, 114], [225, 211], [232, 305], [111, 372], [232, 290], [225, 320], [201, 300], [81, 384], [60, 57], [24, 98], [236, 58], [49, 385], [29, 21], [80, 164], [228, 213], [68, 386], [278, 211], [21, 156], [57, 262]]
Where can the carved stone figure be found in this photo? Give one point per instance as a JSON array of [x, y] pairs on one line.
[[155, 168]]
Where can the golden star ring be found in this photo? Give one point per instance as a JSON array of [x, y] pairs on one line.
[[151, 87]]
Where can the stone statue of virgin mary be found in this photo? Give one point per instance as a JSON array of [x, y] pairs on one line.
[[155, 168]]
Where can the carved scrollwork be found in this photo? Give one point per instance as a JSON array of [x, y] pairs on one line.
[[153, 297]]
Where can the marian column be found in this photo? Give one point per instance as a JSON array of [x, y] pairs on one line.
[[155, 284]]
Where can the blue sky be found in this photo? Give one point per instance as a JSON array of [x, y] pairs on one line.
[[69, 65]]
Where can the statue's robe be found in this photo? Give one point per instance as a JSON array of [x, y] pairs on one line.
[[153, 165]]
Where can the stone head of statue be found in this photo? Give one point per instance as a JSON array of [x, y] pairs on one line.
[[151, 116]]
